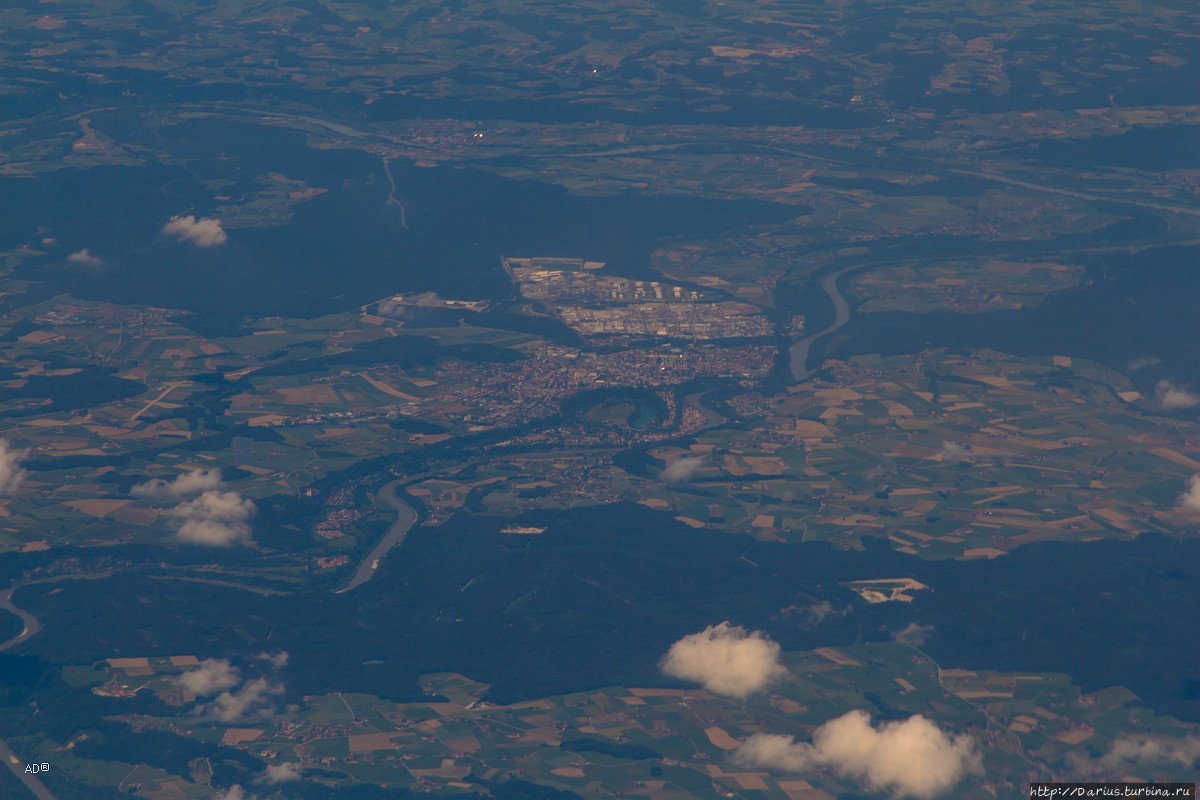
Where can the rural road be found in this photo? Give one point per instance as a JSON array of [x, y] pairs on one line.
[[798, 361], [405, 518]]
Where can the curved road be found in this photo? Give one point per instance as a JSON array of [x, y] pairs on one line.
[[798, 360], [405, 518]]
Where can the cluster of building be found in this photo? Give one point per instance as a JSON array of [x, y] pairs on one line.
[[106, 314], [604, 305], [724, 320], [496, 395], [575, 279], [508, 394], [340, 513]]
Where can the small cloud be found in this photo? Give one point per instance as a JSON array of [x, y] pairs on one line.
[[235, 792], [84, 258], [913, 635], [235, 698], [401, 304], [252, 699], [193, 482], [1129, 753], [1142, 363], [203, 232], [11, 473], [681, 470], [282, 773], [1142, 751], [424, 299], [1190, 499], [1170, 397], [211, 676], [214, 518], [912, 758], [390, 308], [725, 659], [814, 614], [277, 660], [954, 452]]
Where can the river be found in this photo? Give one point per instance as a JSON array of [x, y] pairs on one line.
[[406, 517], [798, 361], [32, 626], [711, 418], [31, 781]]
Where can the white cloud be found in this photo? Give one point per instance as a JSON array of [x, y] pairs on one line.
[[185, 483], [399, 305], [390, 308], [913, 758], [1131, 751], [211, 676], [681, 470], [1190, 499], [235, 698], [203, 232], [1142, 363], [252, 699], [953, 451], [1170, 397], [11, 473], [277, 660], [235, 792], [214, 518], [85, 258], [815, 614], [726, 660], [913, 635], [282, 773], [423, 299]]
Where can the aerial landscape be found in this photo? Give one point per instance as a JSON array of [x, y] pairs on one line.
[[660, 399]]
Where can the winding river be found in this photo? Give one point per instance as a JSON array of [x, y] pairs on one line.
[[32, 626], [798, 353], [406, 517]]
